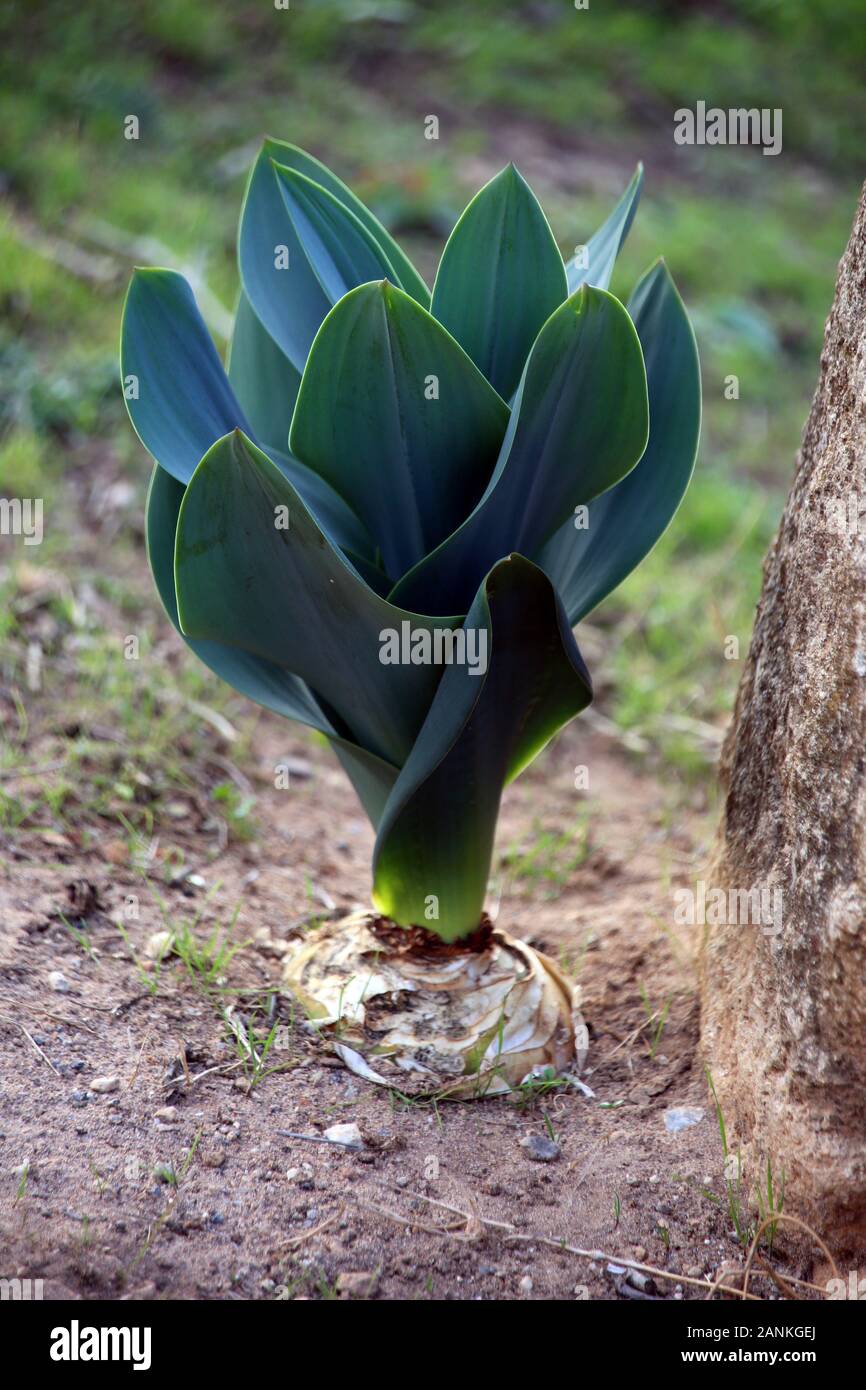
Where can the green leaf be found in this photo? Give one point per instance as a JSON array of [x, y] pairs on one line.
[[436, 835], [264, 380], [185, 402], [338, 247], [398, 420], [624, 523], [603, 248], [579, 425], [372, 778], [288, 300], [181, 399], [500, 278], [262, 681], [267, 385], [280, 210], [284, 593], [291, 157]]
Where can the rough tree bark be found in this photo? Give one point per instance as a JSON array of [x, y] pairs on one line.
[[784, 1015]]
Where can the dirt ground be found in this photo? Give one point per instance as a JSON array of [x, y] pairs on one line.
[[178, 1183]]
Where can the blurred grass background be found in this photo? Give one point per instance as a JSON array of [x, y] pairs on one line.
[[574, 97]]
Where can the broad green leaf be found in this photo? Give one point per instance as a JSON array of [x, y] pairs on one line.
[[176, 390], [603, 248], [254, 569], [293, 158], [282, 273], [372, 778], [183, 400], [340, 250], [393, 414], [578, 425], [267, 385], [264, 380], [500, 278], [436, 834], [276, 275], [619, 528], [262, 681]]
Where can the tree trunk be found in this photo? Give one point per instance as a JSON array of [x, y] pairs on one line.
[[784, 1011]]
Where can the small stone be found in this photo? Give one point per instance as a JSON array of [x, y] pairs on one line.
[[678, 1117], [357, 1284], [167, 1114], [102, 1084], [58, 982], [526, 1286], [695, 1271], [348, 1135], [158, 945], [639, 1253], [298, 768], [540, 1148]]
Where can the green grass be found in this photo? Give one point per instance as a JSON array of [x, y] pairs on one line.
[[768, 1193], [550, 859]]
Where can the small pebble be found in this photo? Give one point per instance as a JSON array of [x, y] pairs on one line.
[[298, 768], [350, 1135], [540, 1148], [103, 1084], [678, 1117], [357, 1283], [167, 1114], [58, 982], [158, 945], [525, 1285]]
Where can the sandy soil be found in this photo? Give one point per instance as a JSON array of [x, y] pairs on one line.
[[210, 1200]]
